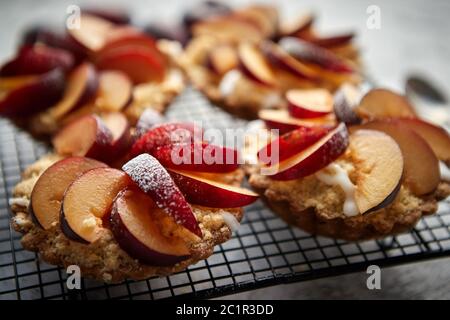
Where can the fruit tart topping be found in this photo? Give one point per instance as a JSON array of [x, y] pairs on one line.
[[209, 193], [310, 53], [88, 200], [223, 59], [346, 99], [154, 180], [147, 120], [114, 91], [309, 103], [310, 160], [254, 65], [135, 227], [164, 134], [379, 168], [421, 166], [282, 59], [32, 60], [48, 192], [25, 96], [87, 136], [383, 103], [437, 137], [81, 87], [121, 139], [199, 156], [290, 144], [281, 120], [92, 31]]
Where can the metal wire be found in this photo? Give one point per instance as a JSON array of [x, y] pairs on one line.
[[265, 251]]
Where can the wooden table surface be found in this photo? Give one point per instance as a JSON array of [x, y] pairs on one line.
[[414, 37]]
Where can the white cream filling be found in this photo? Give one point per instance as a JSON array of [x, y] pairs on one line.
[[21, 202], [336, 175], [231, 221], [256, 137], [445, 171], [271, 100], [228, 82], [89, 223]]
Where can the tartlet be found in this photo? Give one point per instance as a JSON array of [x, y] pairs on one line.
[[342, 182], [105, 260], [101, 67], [317, 208], [226, 66], [77, 210]]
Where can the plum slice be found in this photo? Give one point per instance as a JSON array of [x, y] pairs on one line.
[[310, 53], [379, 168], [114, 91], [82, 85], [164, 134], [309, 103], [281, 58], [37, 60], [88, 200], [437, 137], [92, 32], [30, 96], [384, 103], [203, 157], [254, 65], [140, 65], [209, 193], [313, 158], [223, 59], [346, 99], [421, 166], [154, 180], [281, 120], [48, 192], [290, 143], [134, 226], [87, 136], [121, 141]]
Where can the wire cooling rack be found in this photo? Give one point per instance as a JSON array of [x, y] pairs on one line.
[[265, 251]]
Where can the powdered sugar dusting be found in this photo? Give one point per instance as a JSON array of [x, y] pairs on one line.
[[153, 179]]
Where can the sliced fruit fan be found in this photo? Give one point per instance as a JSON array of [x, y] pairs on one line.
[[265, 251]]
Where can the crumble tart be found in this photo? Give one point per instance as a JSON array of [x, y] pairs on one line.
[[99, 68], [374, 174], [227, 70], [315, 207], [153, 216], [104, 260]]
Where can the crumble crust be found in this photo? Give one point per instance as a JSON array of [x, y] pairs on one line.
[[104, 260]]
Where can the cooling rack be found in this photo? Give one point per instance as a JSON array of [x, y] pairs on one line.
[[265, 251]]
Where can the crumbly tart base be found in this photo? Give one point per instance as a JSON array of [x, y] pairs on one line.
[[317, 208], [104, 260], [247, 97]]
